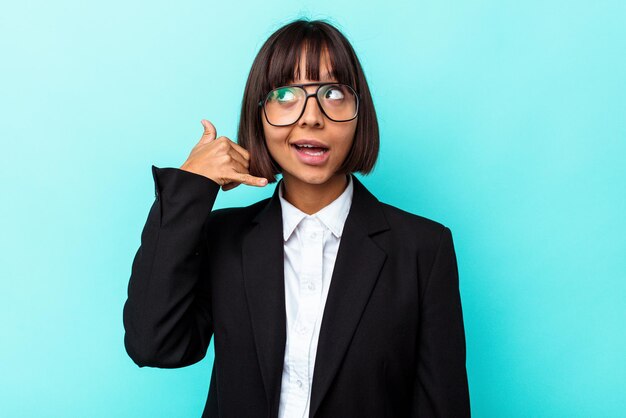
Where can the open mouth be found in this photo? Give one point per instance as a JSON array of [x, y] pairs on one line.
[[309, 150]]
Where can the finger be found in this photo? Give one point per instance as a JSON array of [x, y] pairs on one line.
[[209, 132], [238, 167], [239, 158], [249, 179], [241, 150]]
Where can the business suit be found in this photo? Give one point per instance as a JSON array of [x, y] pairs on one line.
[[391, 344]]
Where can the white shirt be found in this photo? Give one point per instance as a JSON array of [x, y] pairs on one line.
[[311, 243]]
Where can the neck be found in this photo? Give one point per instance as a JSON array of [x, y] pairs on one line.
[[311, 198]]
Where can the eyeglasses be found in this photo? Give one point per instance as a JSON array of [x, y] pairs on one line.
[[284, 105]]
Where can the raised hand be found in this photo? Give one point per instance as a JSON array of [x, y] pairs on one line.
[[221, 160]]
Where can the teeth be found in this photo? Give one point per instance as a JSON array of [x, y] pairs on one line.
[[307, 152], [308, 146], [303, 149]]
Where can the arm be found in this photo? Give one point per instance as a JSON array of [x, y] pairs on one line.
[[167, 316], [441, 387]]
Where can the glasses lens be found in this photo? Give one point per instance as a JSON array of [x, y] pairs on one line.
[[284, 105], [339, 101]]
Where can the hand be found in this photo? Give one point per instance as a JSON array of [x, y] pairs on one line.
[[221, 160]]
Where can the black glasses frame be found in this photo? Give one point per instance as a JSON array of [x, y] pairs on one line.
[[306, 100]]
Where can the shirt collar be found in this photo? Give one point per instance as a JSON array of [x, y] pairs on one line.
[[333, 215]]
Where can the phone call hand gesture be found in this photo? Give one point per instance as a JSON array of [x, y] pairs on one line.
[[221, 160]]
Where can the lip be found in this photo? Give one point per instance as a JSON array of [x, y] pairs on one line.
[[310, 159], [310, 141]]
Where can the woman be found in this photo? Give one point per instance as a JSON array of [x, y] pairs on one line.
[[324, 302]]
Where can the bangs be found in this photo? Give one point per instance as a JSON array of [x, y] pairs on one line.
[[284, 62]]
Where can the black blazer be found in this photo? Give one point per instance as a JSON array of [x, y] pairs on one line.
[[391, 344]]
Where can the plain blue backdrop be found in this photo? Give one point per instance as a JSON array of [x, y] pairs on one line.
[[503, 120]]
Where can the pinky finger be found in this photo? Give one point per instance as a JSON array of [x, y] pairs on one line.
[[251, 180]]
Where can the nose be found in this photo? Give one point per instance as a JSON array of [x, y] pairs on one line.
[[312, 115]]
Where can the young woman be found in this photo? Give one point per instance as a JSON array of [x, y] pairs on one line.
[[323, 301]]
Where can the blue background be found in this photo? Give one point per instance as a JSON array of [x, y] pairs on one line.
[[503, 120]]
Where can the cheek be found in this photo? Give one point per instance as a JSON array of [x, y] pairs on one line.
[[347, 137], [275, 139]]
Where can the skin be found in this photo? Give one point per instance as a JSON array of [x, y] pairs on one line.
[[308, 187], [221, 160]]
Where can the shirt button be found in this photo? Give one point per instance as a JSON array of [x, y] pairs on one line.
[[313, 235], [302, 330], [311, 286], [299, 383]]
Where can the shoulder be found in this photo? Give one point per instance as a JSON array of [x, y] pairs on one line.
[[427, 231], [409, 229]]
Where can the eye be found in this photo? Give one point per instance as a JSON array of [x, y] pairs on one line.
[[285, 94], [334, 93]]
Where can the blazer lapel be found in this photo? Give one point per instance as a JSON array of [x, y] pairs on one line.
[[263, 272], [357, 266]]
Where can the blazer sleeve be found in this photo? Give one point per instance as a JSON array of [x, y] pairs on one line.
[[441, 386], [167, 315]]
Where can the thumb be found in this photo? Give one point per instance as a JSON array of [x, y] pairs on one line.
[[209, 131]]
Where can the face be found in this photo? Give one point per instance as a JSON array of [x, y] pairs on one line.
[[338, 137]]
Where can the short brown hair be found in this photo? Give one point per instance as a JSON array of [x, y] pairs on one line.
[[275, 66]]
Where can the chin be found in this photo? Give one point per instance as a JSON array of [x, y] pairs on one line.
[[314, 178]]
